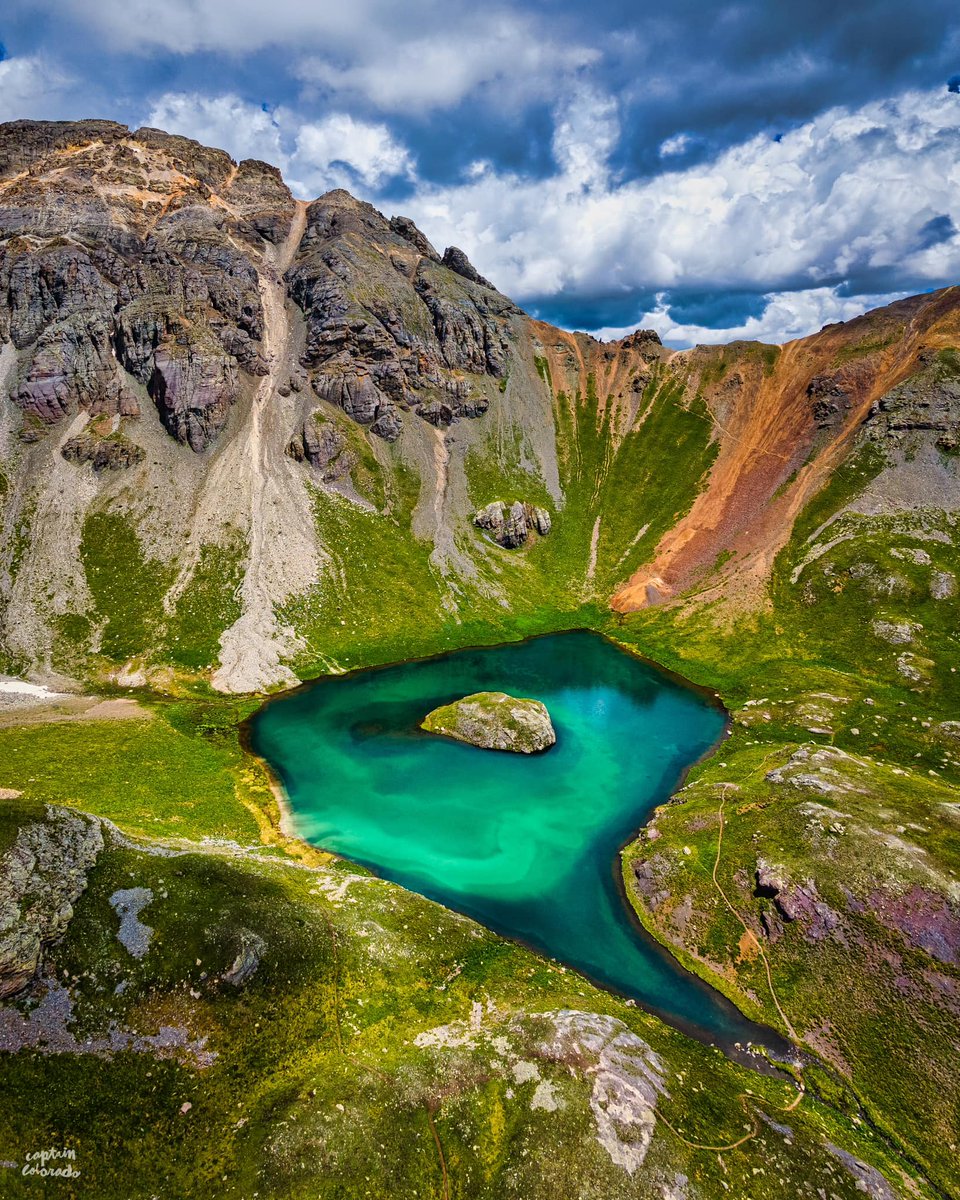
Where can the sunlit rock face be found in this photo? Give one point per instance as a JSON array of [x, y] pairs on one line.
[[494, 721]]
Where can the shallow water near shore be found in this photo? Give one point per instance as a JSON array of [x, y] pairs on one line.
[[528, 845]]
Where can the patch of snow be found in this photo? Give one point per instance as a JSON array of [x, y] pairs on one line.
[[19, 687]]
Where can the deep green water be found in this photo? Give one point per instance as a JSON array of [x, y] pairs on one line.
[[528, 845]]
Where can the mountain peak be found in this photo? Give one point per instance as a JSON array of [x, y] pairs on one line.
[[455, 260]]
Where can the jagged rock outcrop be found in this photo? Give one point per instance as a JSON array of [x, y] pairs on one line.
[[394, 332], [193, 391], [648, 877], [259, 193], [41, 877], [794, 902], [71, 366], [511, 526], [831, 397], [103, 454], [406, 229], [646, 343], [323, 446], [494, 721], [455, 259], [927, 402], [102, 291]]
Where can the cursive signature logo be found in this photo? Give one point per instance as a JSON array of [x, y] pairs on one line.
[[57, 1162]]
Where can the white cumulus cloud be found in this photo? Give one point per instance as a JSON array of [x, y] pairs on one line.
[[368, 151], [785, 315], [842, 213], [30, 87], [586, 132], [315, 156], [674, 145], [845, 197], [226, 122]]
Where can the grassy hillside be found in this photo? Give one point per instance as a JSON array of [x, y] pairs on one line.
[[378, 1045], [839, 783]]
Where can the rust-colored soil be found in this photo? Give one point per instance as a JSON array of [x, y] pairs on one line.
[[768, 433]]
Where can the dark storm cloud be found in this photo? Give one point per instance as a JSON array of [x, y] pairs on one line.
[[714, 72], [711, 310], [935, 232], [591, 311], [714, 310], [721, 73]]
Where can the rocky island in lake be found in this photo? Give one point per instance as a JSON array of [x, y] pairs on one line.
[[494, 721]]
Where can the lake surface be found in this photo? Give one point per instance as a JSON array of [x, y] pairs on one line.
[[526, 844]]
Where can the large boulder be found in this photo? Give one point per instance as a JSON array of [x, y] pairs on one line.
[[42, 875], [494, 721], [510, 526]]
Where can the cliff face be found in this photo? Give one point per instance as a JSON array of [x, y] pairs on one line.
[[238, 433], [187, 351]]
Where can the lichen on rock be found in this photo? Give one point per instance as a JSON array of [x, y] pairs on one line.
[[41, 877], [494, 721]]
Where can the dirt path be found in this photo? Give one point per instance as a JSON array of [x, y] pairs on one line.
[[72, 708], [751, 936], [745, 1097], [594, 543], [441, 462], [443, 1162]]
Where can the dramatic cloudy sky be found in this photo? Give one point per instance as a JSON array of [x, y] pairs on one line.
[[712, 170]]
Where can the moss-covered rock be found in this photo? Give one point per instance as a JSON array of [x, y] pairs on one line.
[[494, 721], [41, 876]]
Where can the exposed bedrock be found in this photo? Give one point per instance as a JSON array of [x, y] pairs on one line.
[[494, 721], [103, 454], [323, 446], [396, 330], [41, 877], [119, 271], [927, 403], [193, 393], [511, 525], [72, 366]]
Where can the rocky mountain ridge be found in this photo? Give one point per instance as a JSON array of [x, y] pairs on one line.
[[230, 419]]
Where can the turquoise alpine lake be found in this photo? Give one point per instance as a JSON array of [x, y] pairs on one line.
[[528, 845]]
